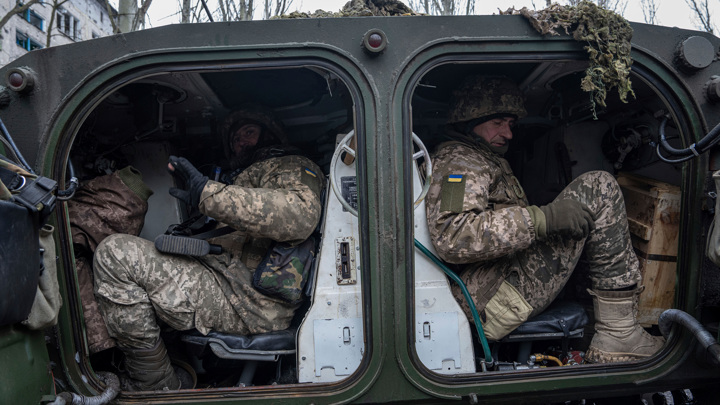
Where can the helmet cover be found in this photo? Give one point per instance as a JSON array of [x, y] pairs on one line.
[[484, 96]]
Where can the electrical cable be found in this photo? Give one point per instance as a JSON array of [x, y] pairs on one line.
[[14, 148], [693, 151]]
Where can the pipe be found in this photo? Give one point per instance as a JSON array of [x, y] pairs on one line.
[[112, 389], [543, 357], [466, 294], [704, 337]]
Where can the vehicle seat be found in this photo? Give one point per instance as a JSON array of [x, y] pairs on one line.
[[250, 349], [562, 320]]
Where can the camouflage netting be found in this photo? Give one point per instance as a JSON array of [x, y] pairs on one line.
[[607, 35], [358, 8]]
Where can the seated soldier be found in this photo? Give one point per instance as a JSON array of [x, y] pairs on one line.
[[273, 196], [514, 257]]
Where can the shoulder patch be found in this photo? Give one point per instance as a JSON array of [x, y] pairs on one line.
[[312, 179], [452, 193]]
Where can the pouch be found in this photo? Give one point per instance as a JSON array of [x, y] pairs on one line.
[[45, 308], [505, 311], [285, 270]]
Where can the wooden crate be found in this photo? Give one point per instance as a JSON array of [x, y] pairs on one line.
[[653, 209]]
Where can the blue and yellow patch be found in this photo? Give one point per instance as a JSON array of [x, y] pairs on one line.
[[452, 193], [310, 172]]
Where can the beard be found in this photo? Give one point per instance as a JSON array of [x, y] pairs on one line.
[[244, 157]]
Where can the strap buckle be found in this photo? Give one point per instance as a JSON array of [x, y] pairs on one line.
[[38, 196]]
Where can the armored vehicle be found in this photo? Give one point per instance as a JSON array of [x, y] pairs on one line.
[[366, 98]]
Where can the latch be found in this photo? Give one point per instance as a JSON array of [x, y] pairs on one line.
[[426, 330], [345, 260]]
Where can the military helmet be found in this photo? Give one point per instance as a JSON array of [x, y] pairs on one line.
[[484, 96], [273, 132]]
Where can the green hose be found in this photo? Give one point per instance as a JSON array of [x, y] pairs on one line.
[[471, 304]]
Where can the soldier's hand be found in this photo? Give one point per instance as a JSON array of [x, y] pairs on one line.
[[568, 218], [191, 181]]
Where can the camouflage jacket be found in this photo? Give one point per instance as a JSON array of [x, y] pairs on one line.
[[275, 199], [476, 215], [475, 206]]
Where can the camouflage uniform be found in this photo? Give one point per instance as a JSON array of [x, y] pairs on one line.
[[275, 199], [101, 207], [478, 220]]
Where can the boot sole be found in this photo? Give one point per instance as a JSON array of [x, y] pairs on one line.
[[594, 355]]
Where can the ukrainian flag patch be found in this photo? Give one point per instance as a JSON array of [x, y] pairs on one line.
[[452, 193], [310, 172]]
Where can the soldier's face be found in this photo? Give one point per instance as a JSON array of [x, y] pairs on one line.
[[497, 132], [245, 139]]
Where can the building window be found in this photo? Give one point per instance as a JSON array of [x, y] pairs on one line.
[[68, 25], [25, 42], [33, 18]]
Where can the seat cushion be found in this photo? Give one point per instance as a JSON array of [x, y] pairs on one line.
[[277, 340], [560, 317]]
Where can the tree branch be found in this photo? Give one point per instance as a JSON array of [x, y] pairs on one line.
[[16, 10], [116, 29], [55, 7], [702, 12]]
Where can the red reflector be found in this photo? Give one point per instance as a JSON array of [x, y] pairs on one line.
[[375, 40], [16, 80], [20, 79]]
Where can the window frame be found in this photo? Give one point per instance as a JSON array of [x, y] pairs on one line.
[[27, 43]]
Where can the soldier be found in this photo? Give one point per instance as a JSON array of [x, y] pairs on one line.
[[515, 257], [276, 197]]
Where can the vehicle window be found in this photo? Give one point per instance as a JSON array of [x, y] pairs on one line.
[[201, 229], [512, 140]]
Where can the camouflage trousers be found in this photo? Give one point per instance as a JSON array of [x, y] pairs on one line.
[[541, 271], [134, 283]]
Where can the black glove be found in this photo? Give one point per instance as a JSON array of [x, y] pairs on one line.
[[569, 218], [191, 180]]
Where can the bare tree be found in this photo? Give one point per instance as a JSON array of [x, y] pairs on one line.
[[18, 9], [225, 10], [279, 7], [702, 14], [131, 16], [139, 20], [112, 16], [230, 10], [617, 6], [443, 7], [185, 11], [55, 6], [649, 9]]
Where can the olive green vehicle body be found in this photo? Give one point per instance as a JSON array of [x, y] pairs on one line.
[[71, 81]]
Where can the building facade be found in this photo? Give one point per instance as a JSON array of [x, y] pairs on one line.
[[74, 20]]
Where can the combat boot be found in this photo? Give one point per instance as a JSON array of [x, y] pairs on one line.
[[149, 369], [618, 336]]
